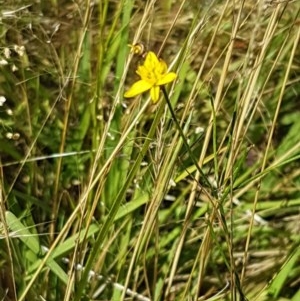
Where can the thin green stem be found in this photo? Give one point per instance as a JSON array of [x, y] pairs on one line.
[[181, 133]]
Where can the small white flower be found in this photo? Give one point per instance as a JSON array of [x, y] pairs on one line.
[[3, 62], [9, 135], [7, 52], [20, 50], [199, 130], [9, 112], [14, 68], [2, 100]]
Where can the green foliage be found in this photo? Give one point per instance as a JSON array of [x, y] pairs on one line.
[[107, 198]]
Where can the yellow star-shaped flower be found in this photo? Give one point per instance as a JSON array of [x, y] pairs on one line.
[[154, 73]]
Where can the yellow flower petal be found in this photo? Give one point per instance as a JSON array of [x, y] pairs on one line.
[[146, 75], [154, 93], [161, 68], [167, 78], [151, 61], [141, 71], [153, 73], [137, 88]]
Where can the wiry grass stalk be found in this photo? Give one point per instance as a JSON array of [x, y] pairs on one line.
[[194, 200]]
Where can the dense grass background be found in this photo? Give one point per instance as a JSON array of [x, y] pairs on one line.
[[100, 198]]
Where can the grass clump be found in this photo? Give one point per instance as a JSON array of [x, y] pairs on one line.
[[195, 197]]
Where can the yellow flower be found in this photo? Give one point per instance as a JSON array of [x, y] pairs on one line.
[[154, 73]]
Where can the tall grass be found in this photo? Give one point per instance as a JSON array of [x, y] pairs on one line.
[[101, 196]]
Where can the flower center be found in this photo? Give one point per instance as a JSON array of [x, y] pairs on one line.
[[152, 75]]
